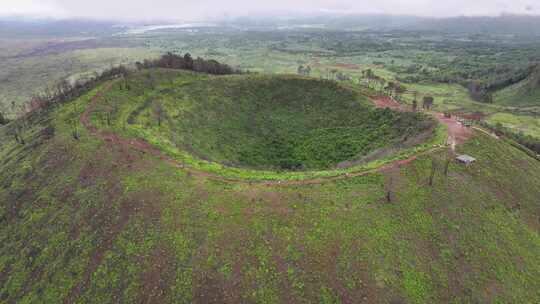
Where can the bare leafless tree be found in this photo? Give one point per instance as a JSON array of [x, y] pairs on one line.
[[432, 172], [449, 157], [159, 111]]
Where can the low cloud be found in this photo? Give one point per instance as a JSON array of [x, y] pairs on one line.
[[201, 9]]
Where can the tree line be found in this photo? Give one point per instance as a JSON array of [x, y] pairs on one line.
[[65, 90], [528, 141], [483, 91], [186, 62]]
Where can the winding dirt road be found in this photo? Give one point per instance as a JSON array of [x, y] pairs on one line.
[[456, 132]]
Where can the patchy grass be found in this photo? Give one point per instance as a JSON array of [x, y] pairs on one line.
[[93, 222]]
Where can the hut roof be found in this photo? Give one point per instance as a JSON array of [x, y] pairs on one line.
[[466, 159]]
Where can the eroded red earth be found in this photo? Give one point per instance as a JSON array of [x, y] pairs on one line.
[[457, 132]]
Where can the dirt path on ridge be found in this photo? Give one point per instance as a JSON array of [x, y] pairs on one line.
[[457, 132]]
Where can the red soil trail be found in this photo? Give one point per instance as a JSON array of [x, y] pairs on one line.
[[349, 66], [387, 102], [457, 131]]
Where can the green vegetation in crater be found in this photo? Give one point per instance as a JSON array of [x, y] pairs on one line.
[[260, 122]]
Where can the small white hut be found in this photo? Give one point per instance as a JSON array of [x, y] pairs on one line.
[[466, 159]]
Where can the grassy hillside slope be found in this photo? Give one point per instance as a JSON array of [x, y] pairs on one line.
[[523, 93], [89, 221]]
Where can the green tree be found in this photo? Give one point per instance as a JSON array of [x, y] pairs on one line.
[[3, 120], [427, 102], [399, 90], [300, 70], [17, 131], [188, 61], [488, 98], [390, 87]]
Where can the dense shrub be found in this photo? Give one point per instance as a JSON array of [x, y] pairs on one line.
[[186, 62], [270, 122], [3, 120]]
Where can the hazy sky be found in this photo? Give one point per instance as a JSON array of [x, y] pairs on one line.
[[198, 9]]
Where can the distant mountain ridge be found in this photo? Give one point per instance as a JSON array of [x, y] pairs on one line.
[[504, 24]]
